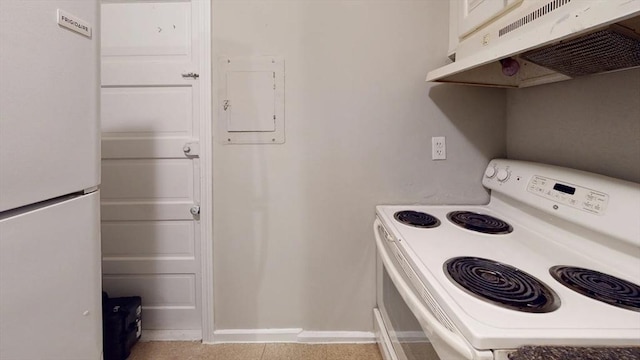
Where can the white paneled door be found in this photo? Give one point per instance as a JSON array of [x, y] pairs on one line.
[[151, 179]]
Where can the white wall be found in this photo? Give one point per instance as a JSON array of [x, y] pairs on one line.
[[590, 124], [293, 236]]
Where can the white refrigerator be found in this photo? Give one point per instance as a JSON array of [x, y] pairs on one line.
[[50, 283]]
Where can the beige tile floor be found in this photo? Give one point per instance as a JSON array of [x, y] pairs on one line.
[[184, 350]]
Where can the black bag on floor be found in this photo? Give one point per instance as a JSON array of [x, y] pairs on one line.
[[121, 325]]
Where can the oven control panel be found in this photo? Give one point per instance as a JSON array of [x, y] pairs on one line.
[[568, 194], [600, 203]]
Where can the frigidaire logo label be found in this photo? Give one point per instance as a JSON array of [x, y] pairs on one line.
[[74, 23]]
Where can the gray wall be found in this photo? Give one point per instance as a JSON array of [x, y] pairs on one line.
[[590, 124], [293, 236]]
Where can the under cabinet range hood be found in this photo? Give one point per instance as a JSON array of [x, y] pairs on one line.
[[541, 41]]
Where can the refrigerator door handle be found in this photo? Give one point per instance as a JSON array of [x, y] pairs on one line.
[[91, 190]]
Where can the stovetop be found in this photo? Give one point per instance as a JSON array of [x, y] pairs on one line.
[[535, 244], [501, 284]]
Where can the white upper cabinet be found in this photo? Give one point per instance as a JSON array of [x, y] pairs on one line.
[[472, 14], [453, 28]]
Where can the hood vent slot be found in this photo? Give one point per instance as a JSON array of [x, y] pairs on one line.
[[611, 49], [532, 16]]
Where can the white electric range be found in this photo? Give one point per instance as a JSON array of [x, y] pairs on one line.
[[477, 282]]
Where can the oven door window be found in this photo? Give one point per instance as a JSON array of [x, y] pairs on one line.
[[408, 339]]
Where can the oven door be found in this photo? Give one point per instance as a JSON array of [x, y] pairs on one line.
[[412, 329], [403, 331]]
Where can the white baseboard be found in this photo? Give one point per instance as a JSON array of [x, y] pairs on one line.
[[255, 335], [336, 337], [292, 336], [171, 335]]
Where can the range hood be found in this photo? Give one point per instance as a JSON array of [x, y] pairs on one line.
[[540, 42]]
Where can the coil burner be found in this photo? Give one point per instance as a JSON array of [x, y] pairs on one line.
[[479, 222], [417, 219], [599, 286], [501, 284]]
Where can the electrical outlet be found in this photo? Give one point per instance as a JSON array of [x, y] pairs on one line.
[[438, 148]]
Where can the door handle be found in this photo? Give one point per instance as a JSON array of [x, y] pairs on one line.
[[195, 210], [192, 75], [191, 148]]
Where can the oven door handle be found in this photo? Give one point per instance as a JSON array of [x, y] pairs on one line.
[[424, 316]]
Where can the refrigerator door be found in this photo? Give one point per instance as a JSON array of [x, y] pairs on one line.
[[50, 288], [49, 83]]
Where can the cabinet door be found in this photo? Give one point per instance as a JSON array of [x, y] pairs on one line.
[[475, 13], [454, 10]]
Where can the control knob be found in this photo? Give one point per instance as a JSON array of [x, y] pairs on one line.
[[502, 175], [490, 172]]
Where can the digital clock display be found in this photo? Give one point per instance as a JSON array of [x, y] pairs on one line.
[[564, 188]]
